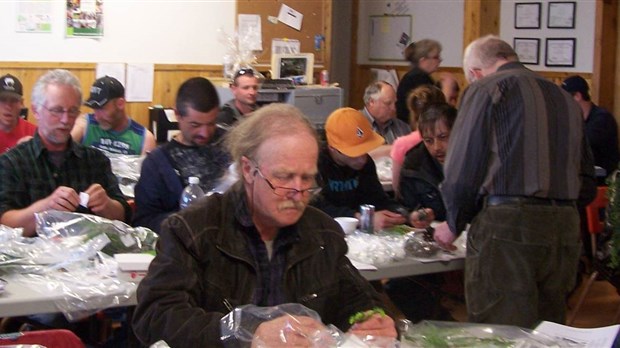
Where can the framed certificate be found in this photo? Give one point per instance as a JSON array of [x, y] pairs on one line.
[[527, 15], [560, 52], [527, 49], [561, 15]]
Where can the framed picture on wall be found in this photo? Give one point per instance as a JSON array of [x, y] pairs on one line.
[[528, 49], [560, 52], [561, 15], [527, 15]]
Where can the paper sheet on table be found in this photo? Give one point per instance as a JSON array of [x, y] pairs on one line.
[[388, 76], [363, 266], [601, 337]]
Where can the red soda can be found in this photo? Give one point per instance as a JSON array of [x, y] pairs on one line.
[[324, 78]]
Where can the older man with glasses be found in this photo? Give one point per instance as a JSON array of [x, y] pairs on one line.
[[244, 87], [259, 243], [51, 170]]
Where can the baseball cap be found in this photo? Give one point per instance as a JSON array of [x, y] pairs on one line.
[[10, 85], [574, 84], [349, 132], [103, 90]]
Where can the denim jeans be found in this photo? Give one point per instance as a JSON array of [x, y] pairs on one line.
[[521, 263]]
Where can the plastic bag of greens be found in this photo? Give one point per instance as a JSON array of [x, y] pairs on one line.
[[123, 238]]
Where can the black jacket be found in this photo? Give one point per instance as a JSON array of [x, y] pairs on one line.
[[413, 79], [345, 189], [420, 177], [203, 266]]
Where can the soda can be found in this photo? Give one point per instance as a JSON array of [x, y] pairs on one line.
[[324, 78], [367, 218]]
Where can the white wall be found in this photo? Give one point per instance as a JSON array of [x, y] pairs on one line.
[[431, 19], [583, 32], [135, 31]]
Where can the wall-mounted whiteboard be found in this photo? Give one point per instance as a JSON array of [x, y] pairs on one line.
[[438, 20], [388, 37]]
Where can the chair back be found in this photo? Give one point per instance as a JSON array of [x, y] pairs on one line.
[[596, 223]]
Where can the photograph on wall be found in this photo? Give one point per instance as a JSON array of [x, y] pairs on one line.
[[34, 17], [527, 49], [527, 15], [560, 52], [561, 15], [84, 18]]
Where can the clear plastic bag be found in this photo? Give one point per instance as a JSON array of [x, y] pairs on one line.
[[123, 238], [289, 324], [453, 334], [375, 249], [239, 53], [127, 170]]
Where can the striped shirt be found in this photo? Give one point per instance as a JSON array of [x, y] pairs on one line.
[[516, 134]]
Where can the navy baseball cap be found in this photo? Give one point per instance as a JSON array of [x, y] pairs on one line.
[[576, 83], [10, 85], [103, 90]]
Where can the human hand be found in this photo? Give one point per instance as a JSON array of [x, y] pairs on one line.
[[444, 237], [98, 199], [63, 198], [422, 218], [387, 219], [291, 331], [377, 325]]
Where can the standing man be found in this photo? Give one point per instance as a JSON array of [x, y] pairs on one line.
[[349, 174], [195, 151], [13, 129], [109, 128], [258, 243], [50, 170], [517, 163], [601, 126], [245, 89]]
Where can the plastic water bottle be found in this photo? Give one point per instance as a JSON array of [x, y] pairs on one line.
[[191, 192]]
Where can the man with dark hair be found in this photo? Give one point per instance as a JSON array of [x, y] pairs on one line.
[[517, 164], [601, 126], [258, 243], [109, 128], [244, 87], [195, 151], [13, 129]]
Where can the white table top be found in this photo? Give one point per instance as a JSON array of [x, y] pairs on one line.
[[19, 299], [411, 267]]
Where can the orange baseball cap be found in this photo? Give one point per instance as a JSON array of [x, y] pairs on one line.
[[349, 132]]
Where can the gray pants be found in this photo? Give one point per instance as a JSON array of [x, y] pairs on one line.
[[521, 263]]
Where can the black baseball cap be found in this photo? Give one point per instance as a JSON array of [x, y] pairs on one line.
[[10, 85], [576, 83], [103, 90]]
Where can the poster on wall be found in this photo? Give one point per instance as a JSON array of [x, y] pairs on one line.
[[34, 17], [84, 18]]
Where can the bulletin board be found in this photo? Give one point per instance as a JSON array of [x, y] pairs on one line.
[[388, 36], [315, 22]]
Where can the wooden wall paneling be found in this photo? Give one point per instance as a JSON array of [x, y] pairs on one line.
[[605, 41], [167, 79], [481, 18]]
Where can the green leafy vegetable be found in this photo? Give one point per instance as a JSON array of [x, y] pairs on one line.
[[363, 316]]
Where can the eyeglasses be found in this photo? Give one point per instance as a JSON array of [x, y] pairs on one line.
[[58, 112], [288, 191]]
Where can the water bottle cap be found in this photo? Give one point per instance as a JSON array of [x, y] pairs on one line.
[[194, 180]]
